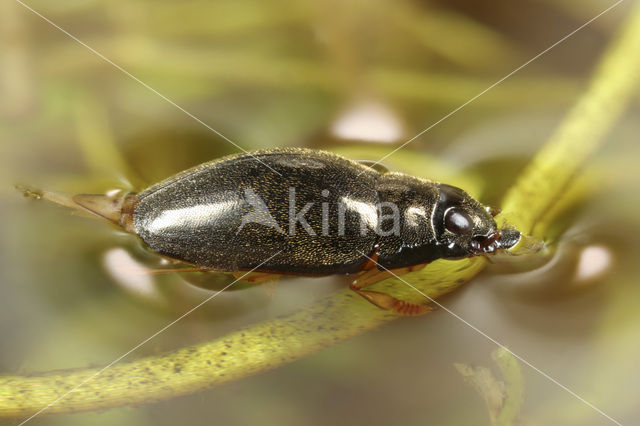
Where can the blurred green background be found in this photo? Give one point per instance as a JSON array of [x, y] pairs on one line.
[[291, 73]]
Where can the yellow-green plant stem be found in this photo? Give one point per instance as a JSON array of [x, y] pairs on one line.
[[257, 348], [277, 342], [613, 85]]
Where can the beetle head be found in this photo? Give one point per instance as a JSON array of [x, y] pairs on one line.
[[464, 227]]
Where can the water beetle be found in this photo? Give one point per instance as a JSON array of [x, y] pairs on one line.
[[308, 212]]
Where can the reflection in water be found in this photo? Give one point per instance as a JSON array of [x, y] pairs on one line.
[[130, 274], [368, 121], [594, 261]]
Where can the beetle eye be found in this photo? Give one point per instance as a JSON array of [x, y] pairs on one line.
[[457, 221]]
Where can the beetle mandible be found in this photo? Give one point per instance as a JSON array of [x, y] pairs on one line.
[[308, 212]]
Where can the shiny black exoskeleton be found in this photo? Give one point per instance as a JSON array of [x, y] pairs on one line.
[[318, 212], [300, 212]]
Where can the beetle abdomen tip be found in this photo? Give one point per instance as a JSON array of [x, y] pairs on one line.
[[105, 206]]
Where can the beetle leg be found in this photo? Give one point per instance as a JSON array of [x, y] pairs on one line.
[[384, 300], [374, 275], [256, 277], [267, 280], [378, 167], [388, 302], [173, 270]]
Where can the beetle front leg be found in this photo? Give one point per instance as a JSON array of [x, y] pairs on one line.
[[384, 300]]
